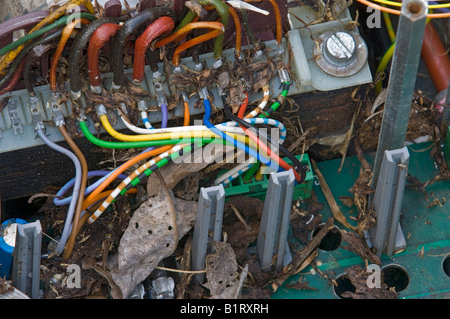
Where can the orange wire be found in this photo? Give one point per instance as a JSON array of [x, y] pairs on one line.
[[237, 24], [262, 145], [276, 10], [398, 12], [193, 42], [186, 114], [188, 28], [196, 19], [91, 198], [67, 32], [95, 195]]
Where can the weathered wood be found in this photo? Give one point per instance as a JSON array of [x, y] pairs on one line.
[[28, 171]]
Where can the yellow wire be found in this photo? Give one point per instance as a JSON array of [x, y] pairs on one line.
[[399, 4], [386, 58], [397, 12], [167, 136], [389, 26]]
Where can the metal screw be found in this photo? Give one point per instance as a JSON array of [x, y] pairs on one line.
[[340, 48]]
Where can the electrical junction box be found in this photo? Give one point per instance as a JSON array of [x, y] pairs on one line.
[[17, 129]]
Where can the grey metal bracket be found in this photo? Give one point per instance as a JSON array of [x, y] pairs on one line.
[[273, 232], [27, 258], [14, 117], [208, 225], [387, 235]]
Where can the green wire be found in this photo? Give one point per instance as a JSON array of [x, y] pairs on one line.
[[224, 13], [145, 144], [59, 23], [159, 164], [276, 104], [252, 171]]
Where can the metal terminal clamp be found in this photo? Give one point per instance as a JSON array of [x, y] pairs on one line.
[[283, 74], [36, 115], [58, 117], [14, 117]]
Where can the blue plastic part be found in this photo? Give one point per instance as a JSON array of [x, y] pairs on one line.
[[7, 250]]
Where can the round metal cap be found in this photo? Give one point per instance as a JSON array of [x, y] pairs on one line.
[[342, 53]]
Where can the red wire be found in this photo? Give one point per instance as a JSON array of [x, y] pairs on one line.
[[98, 40], [263, 146], [14, 79], [156, 29]]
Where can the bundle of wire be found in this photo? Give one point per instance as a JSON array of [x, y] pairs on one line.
[[160, 146], [385, 6]]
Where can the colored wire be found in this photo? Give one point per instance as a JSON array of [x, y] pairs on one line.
[[60, 201], [129, 26], [92, 198], [279, 25], [151, 165], [247, 129], [399, 4], [67, 32], [237, 24], [187, 115], [262, 105], [397, 12], [383, 64], [231, 140], [15, 78], [159, 27], [152, 137], [76, 189], [222, 9], [99, 38], [389, 26], [78, 46], [193, 42], [23, 54], [229, 127], [235, 172], [186, 29], [277, 104], [10, 52], [144, 144], [446, 10], [80, 197]]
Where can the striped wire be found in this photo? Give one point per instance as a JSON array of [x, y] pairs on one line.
[[134, 178]]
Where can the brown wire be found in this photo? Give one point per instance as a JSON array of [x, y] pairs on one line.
[[79, 208]]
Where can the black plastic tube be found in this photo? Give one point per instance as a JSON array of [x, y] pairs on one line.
[[146, 16], [301, 169], [79, 44], [13, 67]]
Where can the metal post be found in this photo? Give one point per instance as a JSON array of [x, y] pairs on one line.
[[272, 236], [402, 79], [387, 234], [208, 224], [27, 258]]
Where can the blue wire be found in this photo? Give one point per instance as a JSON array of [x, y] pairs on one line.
[[58, 201], [236, 143]]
